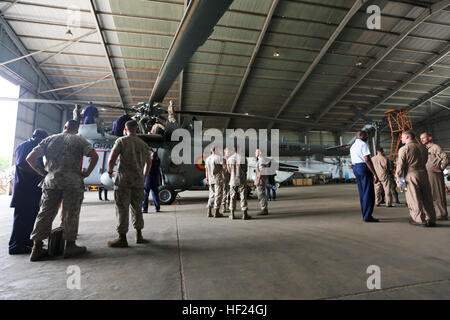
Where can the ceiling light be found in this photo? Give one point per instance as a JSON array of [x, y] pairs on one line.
[[69, 33], [276, 53], [358, 63], [307, 116], [431, 70]]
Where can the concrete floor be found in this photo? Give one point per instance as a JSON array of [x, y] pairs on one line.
[[313, 245]]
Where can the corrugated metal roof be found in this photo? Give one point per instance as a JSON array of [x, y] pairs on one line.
[[139, 33]]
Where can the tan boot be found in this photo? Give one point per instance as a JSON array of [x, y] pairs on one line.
[[217, 214], [139, 237], [227, 207], [209, 214], [231, 216], [263, 212], [72, 250], [245, 216], [222, 208], [38, 253], [120, 242]]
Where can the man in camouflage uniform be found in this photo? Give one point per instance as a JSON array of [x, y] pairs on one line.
[[436, 164], [237, 168], [63, 182], [261, 182], [411, 165], [134, 164], [214, 178], [226, 182]]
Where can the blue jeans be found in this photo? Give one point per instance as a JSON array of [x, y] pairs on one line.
[[151, 187], [364, 179], [274, 194]]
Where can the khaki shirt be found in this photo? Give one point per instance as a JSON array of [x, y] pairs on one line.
[[238, 168], [133, 154], [437, 158], [215, 168], [381, 166], [64, 157], [411, 157]]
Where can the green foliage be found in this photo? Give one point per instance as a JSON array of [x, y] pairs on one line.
[[5, 163]]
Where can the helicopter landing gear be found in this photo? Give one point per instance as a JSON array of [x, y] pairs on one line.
[[166, 196]]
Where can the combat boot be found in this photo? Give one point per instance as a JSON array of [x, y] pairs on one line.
[[38, 253], [72, 250], [245, 216], [209, 214], [231, 216], [120, 242], [139, 237], [263, 212], [217, 214]]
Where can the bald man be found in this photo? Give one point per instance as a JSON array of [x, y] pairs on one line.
[[365, 175], [436, 164], [63, 182], [411, 164]]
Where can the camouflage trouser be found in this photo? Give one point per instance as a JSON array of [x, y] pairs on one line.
[[50, 202], [215, 195], [261, 190], [126, 198], [226, 194], [234, 191]]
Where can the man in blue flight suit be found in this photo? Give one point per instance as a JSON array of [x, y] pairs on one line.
[[25, 197], [119, 125], [90, 113], [152, 183]]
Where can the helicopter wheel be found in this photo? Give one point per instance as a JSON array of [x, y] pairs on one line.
[[166, 196]]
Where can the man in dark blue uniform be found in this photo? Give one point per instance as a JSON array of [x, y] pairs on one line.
[[365, 175], [25, 197], [152, 183], [119, 125], [89, 114]]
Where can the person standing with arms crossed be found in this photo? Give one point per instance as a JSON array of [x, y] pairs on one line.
[[26, 196], [134, 164], [436, 164], [411, 164]]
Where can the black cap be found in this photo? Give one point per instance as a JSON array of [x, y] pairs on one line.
[[39, 134]]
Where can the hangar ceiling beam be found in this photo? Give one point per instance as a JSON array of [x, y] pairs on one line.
[[356, 6], [410, 79], [20, 46], [105, 49], [253, 57], [429, 96], [441, 5]]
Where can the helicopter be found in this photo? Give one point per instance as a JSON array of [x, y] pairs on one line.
[[196, 26]]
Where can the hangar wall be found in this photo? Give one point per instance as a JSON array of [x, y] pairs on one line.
[[25, 74]]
